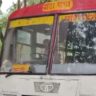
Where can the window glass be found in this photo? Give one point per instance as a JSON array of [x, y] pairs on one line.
[[23, 37], [23, 53], [76, 44], [31, 44]]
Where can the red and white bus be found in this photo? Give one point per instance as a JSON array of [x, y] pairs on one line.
[[50, 50]]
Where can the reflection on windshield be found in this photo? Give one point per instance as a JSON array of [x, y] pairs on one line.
[[76, 39], [82, 41], [76, 44]]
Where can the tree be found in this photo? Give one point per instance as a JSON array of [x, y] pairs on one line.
[[12, 8], [1, 34], [0, 2]]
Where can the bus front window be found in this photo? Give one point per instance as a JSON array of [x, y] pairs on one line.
[[76, 44], [30, 43]]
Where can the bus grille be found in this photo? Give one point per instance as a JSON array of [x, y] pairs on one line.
[[46, 87]]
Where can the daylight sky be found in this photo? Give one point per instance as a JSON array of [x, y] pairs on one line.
[[6, 4]]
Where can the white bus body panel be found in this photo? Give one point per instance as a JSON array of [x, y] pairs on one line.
[[32, 85]]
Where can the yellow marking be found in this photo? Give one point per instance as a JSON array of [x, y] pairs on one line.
[[20, 67], [61, 5], [31, 21], [78, 17]]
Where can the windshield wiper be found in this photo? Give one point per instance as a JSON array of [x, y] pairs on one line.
[[9, 74]]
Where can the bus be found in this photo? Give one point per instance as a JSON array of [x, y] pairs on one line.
[[50, 50]]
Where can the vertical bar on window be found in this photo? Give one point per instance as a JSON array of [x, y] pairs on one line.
[[52, 45]]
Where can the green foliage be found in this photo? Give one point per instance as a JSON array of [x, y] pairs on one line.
[[12, 8], [3, 21]]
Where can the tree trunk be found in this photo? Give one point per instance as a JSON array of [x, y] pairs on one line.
[[0, 2], [18, 4], [25, 3]]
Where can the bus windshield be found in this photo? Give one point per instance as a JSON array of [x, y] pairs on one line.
[[27, 44], [75, 47]]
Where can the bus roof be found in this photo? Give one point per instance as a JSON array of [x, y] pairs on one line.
[[65, 6]]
